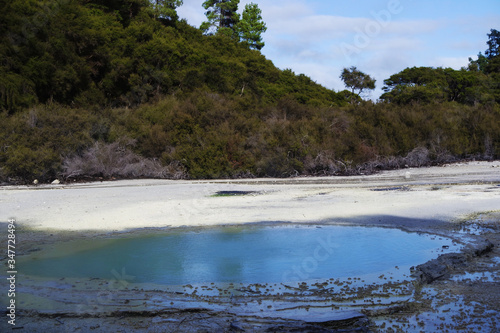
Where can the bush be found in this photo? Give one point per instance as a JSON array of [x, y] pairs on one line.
[[323, 164], [26, 164], [417, 157], [116, 160]]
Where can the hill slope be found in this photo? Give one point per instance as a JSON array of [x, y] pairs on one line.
[[103, 89]]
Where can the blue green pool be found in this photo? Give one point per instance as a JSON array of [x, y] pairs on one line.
[[241, 254]]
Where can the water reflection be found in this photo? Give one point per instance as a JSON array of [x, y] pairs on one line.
[[246, 254]]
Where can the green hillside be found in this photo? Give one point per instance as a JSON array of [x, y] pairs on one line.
[[112, 89]]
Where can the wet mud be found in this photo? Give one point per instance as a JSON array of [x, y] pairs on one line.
[[455, 292]]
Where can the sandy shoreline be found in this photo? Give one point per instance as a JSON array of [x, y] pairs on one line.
[[393, 197]]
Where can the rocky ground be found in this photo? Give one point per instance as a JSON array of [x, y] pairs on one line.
[[455, 292]]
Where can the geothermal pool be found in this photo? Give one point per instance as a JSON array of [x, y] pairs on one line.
[[241, 254]]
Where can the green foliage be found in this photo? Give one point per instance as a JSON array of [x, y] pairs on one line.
[[98, 53], [33, 141], [16, 92], [251, 26], [357, 80], [479, 64], [203, 134], [489, 64], [222, 17], [109, 88], [493, 44], [26, 163], [435, 85], [166, 9]]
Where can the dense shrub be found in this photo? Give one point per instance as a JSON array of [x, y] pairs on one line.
[[29, 164], [214, 136], [117, 160]]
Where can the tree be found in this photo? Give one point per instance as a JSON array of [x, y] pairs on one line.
[[357, 80], [252, 26], [166, 9], [493, 44], [488, 64], [222, 16], [490, 61], [416, 84], [493, 53], [431, 85], [479, 64]]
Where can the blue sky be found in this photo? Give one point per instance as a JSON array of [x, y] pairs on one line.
[[380, 37]]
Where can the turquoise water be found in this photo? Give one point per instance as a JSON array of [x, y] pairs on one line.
[[244, 254]]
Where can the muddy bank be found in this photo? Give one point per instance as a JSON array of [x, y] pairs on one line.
[[447, 264], [461, 295], [458, 292]]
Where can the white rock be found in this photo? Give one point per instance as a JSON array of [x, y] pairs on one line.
[[35, 182], [55, 182]]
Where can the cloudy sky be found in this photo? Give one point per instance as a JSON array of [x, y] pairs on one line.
[[379, 37]]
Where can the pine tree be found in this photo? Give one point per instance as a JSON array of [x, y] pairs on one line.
[[252, 26], [221, 15], [166, 9]]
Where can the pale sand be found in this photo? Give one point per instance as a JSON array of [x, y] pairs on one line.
[[445, 193]]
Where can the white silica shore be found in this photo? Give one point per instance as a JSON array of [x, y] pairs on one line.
[[436, 193]]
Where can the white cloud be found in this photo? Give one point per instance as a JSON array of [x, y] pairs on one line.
[[453, 62]]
